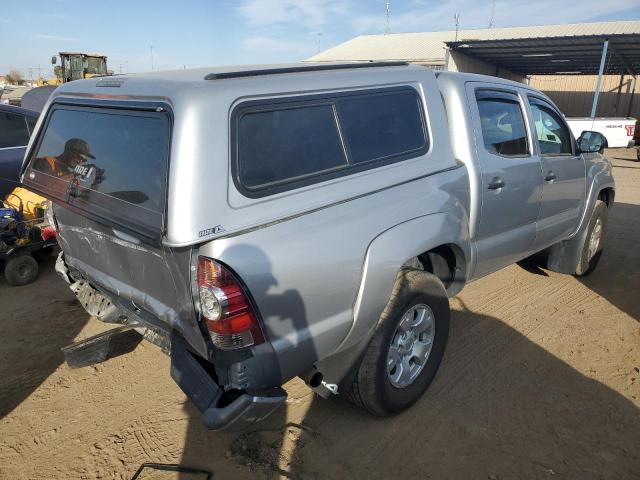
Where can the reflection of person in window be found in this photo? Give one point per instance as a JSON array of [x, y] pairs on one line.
[[71, 164]]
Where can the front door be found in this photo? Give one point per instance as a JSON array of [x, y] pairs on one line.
[[563, 172], [510, 178]]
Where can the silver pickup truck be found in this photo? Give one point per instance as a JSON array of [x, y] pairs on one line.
[[311, 220]]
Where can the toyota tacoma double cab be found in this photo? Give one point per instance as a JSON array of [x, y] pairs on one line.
[[311, 220]]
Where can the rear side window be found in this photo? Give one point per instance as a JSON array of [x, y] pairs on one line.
[[380, 126], [109, 162], [13, 130], [288, 143], [502, 124]]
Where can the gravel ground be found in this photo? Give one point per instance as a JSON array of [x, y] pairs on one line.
[[540, 380]]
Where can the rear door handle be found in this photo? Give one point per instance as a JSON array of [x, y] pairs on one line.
[[550, 177], [496, 184]]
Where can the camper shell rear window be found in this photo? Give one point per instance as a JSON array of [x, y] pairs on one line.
[[110, 164]]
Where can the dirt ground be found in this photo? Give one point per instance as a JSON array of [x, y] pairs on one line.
[[540, 380]]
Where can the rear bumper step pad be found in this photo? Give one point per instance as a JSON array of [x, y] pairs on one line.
[[218, 413]]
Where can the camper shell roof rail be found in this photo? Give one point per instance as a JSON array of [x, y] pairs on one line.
[[301, 68]]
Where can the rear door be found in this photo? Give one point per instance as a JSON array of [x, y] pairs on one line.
[[510, 183], [563, 168]]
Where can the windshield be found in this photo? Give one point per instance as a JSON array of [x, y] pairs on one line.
[[96, 66]]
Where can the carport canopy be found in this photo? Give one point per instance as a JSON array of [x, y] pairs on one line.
[[557, 55], [561, 55]]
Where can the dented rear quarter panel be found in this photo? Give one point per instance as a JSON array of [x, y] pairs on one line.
[[305, 273]]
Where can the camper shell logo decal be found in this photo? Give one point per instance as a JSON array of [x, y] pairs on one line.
[[210, 231]]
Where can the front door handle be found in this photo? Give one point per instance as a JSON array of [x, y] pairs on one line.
[[550, 177], [496, 184]]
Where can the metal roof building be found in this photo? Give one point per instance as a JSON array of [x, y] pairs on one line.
[[549, 57]]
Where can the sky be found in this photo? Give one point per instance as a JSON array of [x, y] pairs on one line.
[[199, 33]]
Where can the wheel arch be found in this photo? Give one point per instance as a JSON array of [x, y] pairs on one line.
[[607, 195], [438, 235], [447, 262]]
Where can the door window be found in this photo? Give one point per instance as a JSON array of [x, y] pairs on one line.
[[13, 130], [551, 131], [502, 123]]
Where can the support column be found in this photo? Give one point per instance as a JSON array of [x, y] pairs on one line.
[[620, 85], [633, 94], [596, 94]]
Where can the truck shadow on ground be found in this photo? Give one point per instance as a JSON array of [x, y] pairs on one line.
[[30, 350], [500, 407], [617, 276]]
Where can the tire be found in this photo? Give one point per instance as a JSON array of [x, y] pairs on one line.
[[21, 270], [373, 388], [589, 259]]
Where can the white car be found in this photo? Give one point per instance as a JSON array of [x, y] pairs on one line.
[[617, 131]]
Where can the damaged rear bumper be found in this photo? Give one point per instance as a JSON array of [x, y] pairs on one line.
[[219, 410]]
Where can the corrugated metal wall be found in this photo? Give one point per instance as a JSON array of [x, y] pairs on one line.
[[574, 93]]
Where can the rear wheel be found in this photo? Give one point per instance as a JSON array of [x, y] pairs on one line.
[[21, 270], [407, 347], [594, 240]]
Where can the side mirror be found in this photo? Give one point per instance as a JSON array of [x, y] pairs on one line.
[[54, 60], [591, 142]]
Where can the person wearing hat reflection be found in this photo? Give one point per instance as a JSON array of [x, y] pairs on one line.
[[72, 164]]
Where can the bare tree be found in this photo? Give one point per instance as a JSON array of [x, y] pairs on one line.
[[15, 77]]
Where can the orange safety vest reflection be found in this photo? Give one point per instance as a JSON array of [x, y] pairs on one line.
[[53, 164]]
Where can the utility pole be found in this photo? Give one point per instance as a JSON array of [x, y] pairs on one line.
[[456, 20], [319, 35], [447, 54], [492, 20], [120, 68], [387, 26], [151, 50], [126, 63]]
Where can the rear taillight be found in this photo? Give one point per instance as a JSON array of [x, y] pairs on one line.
[[225, 308]]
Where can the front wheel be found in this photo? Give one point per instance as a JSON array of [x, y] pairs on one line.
[[407, 346], [594, 240]]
